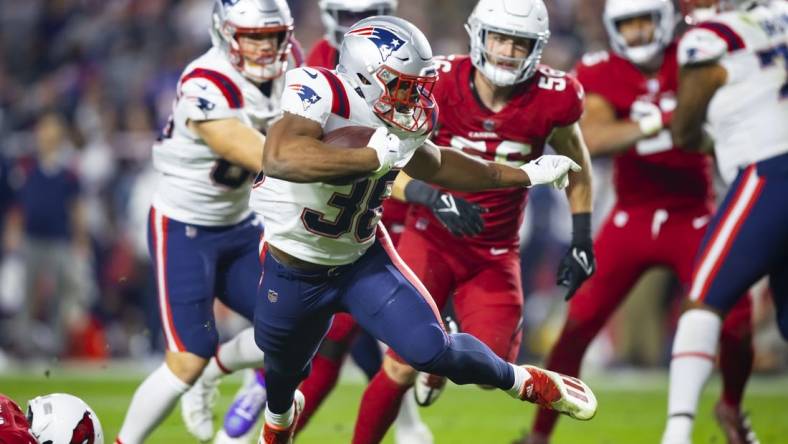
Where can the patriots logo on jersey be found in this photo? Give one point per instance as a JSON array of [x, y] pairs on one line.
[[386, 40], [205, 105], [308, 95]]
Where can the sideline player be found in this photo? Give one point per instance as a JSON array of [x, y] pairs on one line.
[[325, 251], [664, 194], [497, 104], [203, 236], [733, 75]]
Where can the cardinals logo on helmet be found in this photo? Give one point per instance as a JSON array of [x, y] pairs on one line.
[[308, 95], [84, 433], [386, 40]]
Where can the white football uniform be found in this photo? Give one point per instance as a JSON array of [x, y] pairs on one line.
[[194, 184], [748, 116], [318, 222]]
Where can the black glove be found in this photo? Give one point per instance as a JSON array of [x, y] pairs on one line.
[[459, 216], [578, 263]]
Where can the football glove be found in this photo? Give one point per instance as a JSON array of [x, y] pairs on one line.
[[550, 169], [459, 216], [578, 263], [386, 146]]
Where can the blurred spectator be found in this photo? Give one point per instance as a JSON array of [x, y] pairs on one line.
[[53, 242]]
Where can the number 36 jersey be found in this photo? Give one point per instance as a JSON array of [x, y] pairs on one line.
[[194, 184], [653, 172], [748, 115], [318, 222]]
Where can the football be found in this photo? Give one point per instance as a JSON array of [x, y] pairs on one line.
[[348, 137]]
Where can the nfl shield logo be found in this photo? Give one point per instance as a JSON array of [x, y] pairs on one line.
[[488, 125], [273, 296]]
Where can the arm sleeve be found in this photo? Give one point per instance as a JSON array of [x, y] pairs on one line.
[[307, 94]]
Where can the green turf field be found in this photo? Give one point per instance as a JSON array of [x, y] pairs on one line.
[[631, 410]]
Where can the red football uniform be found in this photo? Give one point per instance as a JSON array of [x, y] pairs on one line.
[[653, 172], [483, 272], [664, 202], [325, 55], [14, 427]]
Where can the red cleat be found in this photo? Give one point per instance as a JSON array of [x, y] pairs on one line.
[[274, 435], [562, 393]]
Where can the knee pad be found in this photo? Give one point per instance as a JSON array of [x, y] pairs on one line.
[[423, 345]]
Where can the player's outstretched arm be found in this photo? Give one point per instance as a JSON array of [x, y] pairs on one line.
[[697, 85], [293, 152], [234, 141], [452, 169], [455, 170]]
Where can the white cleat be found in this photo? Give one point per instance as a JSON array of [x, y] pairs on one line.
[[562, 393], [223, 438], [428, 388], [197, 409]]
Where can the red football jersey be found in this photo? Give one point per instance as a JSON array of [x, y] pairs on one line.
[[323, 54], [514, 135], [653, 172]]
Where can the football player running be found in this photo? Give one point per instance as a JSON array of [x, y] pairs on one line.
[[345, 337], [664, 194], [501, 105], [325, 251], [734, 76], [203, 236]]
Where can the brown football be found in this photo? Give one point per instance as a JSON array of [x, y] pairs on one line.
[[348, 137]]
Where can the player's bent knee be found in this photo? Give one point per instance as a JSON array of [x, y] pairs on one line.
[[399, 372], [423, 346], [186, 366]]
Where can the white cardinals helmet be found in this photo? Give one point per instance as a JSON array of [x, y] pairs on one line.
[[60, 418]]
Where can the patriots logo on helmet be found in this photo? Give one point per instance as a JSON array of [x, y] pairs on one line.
[[308, 95], [385, 39], [84, 433]]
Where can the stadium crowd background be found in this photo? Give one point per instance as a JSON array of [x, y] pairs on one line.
[[85, 86]]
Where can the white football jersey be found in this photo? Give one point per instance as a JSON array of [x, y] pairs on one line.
[[748, 116], [318, 222], [195, 185]]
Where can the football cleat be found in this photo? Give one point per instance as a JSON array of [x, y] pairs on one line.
[[223, 438], [735, 425], [246, 408], [274, 435], [428, 388], [197, 408], [562, 393]]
